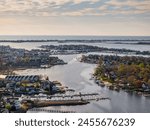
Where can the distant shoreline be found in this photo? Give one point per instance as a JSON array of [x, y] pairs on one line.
[[138, 42]]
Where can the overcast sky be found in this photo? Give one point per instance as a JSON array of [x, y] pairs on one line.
[[75, 17]]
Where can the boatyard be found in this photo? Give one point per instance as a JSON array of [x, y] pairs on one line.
[[20, 93]]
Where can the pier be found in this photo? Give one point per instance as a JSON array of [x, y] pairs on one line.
[[48, 111], [63, 100], [73, 97]]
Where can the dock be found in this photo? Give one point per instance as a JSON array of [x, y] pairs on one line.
[[49, 111], [43, 100], [74, 97], [45, 103], [63, 99]]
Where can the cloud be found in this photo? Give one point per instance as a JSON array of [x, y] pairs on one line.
[[130, 6], [73, 7]]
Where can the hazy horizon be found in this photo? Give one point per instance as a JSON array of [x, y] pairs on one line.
[[77, 35]]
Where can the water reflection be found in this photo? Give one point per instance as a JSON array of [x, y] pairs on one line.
[[76, 75]]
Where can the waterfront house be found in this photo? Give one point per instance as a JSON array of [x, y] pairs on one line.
[[145, 86]]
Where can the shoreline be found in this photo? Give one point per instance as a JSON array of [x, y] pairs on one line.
[[117, 87], [130, 74]]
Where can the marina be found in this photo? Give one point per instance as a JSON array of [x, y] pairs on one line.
[[20, 93], [37, 101]]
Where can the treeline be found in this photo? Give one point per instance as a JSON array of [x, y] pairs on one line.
[[128, 72], [132, 71]]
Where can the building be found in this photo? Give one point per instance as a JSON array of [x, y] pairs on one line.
[[28, 78]]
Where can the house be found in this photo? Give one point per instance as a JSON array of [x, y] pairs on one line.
[[145, 86]]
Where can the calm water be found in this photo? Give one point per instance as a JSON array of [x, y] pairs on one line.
[[109, 44], [77, 75]]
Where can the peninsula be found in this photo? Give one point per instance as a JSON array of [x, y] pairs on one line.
[[129, 73]]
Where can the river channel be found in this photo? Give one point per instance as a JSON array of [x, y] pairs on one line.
[[77, 76]]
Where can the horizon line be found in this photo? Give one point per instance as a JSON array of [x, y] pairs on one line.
[[78, 35]]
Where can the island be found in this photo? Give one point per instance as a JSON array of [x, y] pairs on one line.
[[115, 41], [81, 48]]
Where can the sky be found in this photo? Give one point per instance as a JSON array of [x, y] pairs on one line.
[[75, 17]]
